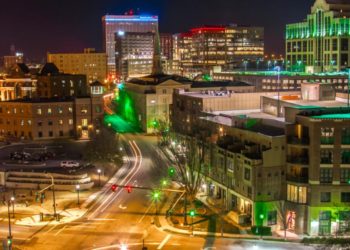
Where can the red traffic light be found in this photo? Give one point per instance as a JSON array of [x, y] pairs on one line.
[[114, 187], [128, 188]]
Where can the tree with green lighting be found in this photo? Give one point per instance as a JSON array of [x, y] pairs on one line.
[[162, 129], [104, 147], [126, 108]]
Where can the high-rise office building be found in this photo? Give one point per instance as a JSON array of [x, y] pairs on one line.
[[120, 24], [321, 42], [167, 45], [136, 47], [203, 48]]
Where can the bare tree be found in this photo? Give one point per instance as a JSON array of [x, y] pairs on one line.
[[189, 160], [282, 210]]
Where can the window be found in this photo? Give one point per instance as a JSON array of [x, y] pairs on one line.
[[327, 135], [84, 122], [346, 136], [164, 91], [50, 133], [70, 110], [247, 174], [60, 122], [50, 123], [272, 218], [296, 194], [49, 111], [326, 175], [40, 134], [98, 109], [40, 124], [345, 197], [60, 110], [334, 44], [326, 156], [345, 156], [325, 197], [61, 133], [39, 111], [84, 110], [70, 121], [29, 122]]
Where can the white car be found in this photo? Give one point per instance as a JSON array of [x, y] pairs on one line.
[[70, 164]]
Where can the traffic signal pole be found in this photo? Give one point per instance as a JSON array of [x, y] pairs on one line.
[[9, 238]]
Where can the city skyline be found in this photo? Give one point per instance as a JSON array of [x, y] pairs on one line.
[[70, 27]]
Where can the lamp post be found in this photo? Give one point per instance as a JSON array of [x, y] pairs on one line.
[[53, 196], [99, 177], [13, 206], [77, 188], [9, 237], [278, 69]]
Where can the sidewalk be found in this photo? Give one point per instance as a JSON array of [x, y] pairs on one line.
[[164, 225]]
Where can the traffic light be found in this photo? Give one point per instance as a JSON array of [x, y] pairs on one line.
[[261, 216], [171, 171], [164, 183], [156, 195], [114, 187], [9, 241], [192, 213], [128, 188]]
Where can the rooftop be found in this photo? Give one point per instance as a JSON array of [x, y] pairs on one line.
[[282, 73], [251, 120], [46, 100], [216, 84], [158, 79]]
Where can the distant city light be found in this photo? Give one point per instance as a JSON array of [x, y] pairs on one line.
[[121, 33]]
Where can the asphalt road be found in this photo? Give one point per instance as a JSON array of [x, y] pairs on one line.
[[120, 218]]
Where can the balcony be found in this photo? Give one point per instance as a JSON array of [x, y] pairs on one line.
[[298, 141], [301, 160], [327, 140], [297, 178], [345, 140]]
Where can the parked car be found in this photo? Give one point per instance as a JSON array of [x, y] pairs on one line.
[[70, 164]]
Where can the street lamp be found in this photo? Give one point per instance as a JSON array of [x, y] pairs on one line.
[[99, 177], [77, 187], [9, 237], [278, 69], [13, 206], [53, 196], [192, 214]]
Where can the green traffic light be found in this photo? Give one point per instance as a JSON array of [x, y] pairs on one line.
[[192, 213], [171, 171], [156, 195], [164, 182], [261, 216]]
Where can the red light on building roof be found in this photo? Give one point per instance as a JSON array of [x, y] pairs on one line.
[[208, 29]]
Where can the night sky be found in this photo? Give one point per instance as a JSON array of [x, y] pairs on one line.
[[38, 26]]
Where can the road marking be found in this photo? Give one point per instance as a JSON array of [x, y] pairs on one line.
[[167, 238], [123, 181], [59, 231], [52, 228], [122, 207], [150, 206], [137, 166], [103, 219]]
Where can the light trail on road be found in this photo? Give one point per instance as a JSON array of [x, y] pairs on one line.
[[134, 170]]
